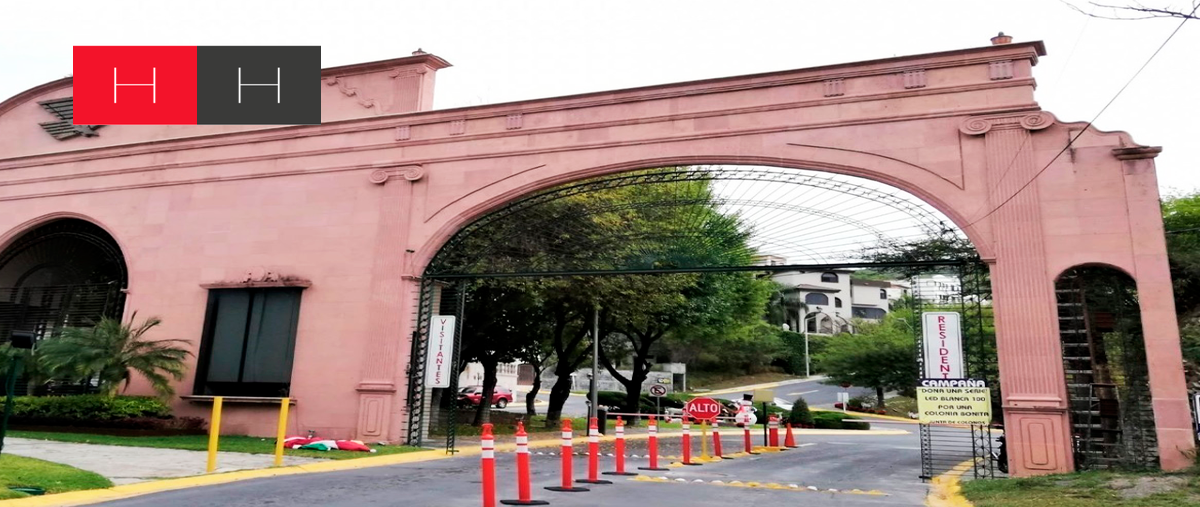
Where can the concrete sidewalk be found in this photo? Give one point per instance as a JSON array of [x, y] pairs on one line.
[[128, 465]]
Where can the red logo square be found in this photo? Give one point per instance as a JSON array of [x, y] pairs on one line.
[[135, 85]]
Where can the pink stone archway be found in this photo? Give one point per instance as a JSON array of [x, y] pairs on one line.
[[359, 204]]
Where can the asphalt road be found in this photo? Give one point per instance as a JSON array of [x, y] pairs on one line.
[[888, 464]]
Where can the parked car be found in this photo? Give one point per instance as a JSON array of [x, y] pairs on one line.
[[501, 396]]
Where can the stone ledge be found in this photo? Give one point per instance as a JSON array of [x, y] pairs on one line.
[[247, 400]]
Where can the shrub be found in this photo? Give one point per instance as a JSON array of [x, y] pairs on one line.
[[838, 421], [91, 407], [610, 398], [860, 402], [800, 415]]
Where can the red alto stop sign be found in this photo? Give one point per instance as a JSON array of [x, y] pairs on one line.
[[704, 409]]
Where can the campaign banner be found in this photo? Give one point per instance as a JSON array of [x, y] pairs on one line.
[[954, 401]]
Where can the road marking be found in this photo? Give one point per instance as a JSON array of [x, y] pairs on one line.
[[945, 490], [661, 479], [802, 393]]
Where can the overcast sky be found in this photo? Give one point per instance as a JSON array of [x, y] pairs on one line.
[[509, 50]]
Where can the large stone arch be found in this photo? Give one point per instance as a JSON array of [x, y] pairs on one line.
[[364, 200], [918, 181]]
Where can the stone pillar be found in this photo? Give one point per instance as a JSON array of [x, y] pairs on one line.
[[1037, 425], [390, 304], [1168, 389]]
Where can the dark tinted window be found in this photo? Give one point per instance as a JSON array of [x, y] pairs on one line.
[[248, 342]]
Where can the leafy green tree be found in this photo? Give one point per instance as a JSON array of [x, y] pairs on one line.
[[935, 246], [111, 351], [669, 224], [500, 323], [880, 355], [1181, 219]]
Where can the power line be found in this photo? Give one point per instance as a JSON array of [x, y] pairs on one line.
[[1071, 142]]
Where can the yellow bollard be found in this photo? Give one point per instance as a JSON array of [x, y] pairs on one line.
[[704, 441], [281, 433], [214, 434]]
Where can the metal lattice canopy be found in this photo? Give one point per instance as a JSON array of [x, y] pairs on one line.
[[691, 217]]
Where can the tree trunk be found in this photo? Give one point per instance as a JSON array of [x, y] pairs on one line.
[[559, 393], [879, 395], [531, 397], [483, 413]]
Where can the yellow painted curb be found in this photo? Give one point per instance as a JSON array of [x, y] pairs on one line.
[[753, 387], [874, 416], [946, 489]]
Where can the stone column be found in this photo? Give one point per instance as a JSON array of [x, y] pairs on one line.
[[390, 304], [1037, 425], [1168, 389]]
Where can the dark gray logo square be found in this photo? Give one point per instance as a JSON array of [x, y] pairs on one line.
[[258, 85]]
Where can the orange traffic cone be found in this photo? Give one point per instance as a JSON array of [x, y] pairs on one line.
[[789, 441]]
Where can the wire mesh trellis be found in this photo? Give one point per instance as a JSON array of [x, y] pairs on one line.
[[1106, 375]]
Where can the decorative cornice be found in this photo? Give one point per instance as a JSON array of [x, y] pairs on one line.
[[1137, 152], [421, 119], [287, 282], [349, 91], [979, 125], [410, 172], [444, 159], [260, 277]]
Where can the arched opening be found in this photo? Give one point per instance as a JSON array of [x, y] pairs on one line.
[[1104, 362], [66, 272], [802, 230]]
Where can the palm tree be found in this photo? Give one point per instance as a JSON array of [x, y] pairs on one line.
[[111, 350], [784, 303]]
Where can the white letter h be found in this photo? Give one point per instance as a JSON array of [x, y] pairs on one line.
[[276, 84]]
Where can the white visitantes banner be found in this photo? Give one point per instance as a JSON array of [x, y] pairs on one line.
[[441, 351], [942, 338]]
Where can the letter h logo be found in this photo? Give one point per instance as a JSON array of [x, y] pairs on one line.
[[190, 85]]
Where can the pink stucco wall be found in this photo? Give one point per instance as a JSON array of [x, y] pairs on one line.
[[360, 204]]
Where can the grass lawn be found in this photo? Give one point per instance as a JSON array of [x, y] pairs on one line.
[[231, 443], [1087, 489], [18, 471], [901, 406]]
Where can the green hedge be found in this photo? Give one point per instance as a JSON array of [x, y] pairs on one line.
[[838, 421], [91, 407]]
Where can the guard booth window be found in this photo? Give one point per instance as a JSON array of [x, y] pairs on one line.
[[249, 339]]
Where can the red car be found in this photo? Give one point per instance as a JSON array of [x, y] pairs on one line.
[[501, 397]]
